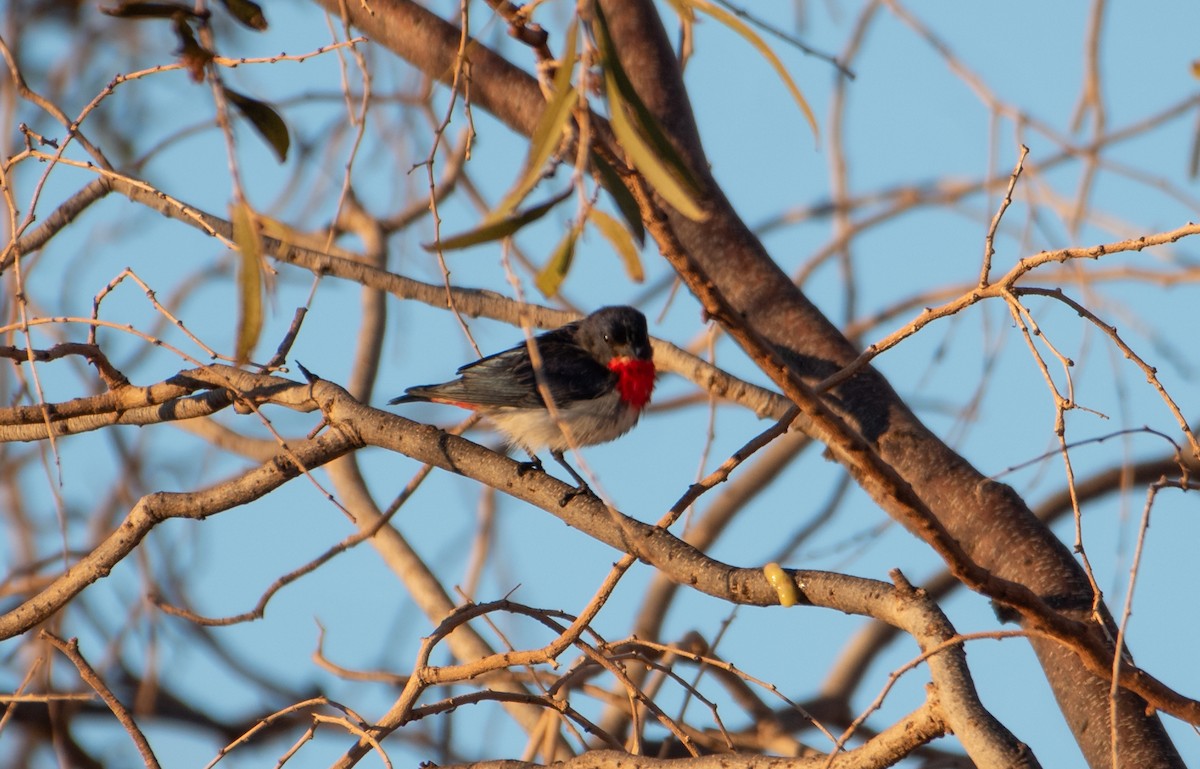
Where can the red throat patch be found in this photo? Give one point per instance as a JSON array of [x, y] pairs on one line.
[[635, 380]]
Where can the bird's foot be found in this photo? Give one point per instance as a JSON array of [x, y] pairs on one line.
[[582, 485], [534, 464], [581, 489]]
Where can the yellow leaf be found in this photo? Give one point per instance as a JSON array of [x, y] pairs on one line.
[[622, 242], [650, 150], [547, 135], [611, 181], [737, 25], [273, 228], [551, 277], [566, 59], [545, 140], [250, 282]]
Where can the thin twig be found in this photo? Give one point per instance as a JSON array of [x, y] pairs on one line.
[[989, 244], [70, 650]]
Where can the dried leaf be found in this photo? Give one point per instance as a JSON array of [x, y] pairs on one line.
[[250, 282], [551, 277], [149, 10], [247, 12], [265, 120], [621, 242], [193, 56]]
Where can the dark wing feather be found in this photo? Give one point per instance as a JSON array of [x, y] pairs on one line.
[[507, 378]]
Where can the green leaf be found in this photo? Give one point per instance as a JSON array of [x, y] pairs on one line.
[[648, 162], [247, 12], [654, 155], [250, 283], [611, 181], [495, 230], [739, 26], [547, 135], [265, 120], [641, 113], [621, 242], [551, 277]]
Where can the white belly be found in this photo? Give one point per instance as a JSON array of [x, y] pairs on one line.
[[590, 422]]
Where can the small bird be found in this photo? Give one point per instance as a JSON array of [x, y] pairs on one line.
[[599, 372]]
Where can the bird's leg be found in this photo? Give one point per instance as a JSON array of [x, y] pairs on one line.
[[582, 488]]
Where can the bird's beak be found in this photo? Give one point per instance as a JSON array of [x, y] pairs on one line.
[[640, 351]]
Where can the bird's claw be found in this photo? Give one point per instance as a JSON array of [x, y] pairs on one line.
[[575, 492], [534, 464]]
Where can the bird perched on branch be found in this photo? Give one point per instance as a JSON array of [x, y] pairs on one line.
[[598, 372]]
